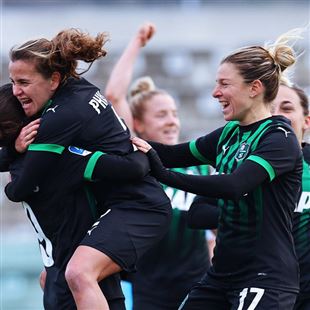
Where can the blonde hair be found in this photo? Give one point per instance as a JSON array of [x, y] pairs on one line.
[[141, 91], [266, 63], [61, 54]]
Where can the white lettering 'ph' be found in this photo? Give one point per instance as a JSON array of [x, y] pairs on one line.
[[98, 101]]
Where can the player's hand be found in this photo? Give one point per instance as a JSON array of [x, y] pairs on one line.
[[158, 170], [146, 32], [26, 136], [141, 144]]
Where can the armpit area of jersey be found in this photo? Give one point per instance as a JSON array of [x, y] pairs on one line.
[[203, 213], [227, 186]]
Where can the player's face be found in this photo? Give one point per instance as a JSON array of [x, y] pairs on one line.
[[30, 87], [287, 103], [233, 95], [160, 122]]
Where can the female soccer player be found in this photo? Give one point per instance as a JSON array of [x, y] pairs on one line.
[[169, 269], [60, 211], [73, 112], [259, 165], [292, 102]]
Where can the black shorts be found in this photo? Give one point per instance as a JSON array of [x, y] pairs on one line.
[[57, 294], [206, 296], [126, 233]]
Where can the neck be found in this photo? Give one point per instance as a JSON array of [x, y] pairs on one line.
[[255, 115]]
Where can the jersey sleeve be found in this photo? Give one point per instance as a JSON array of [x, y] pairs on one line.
[[81, 165], [130, 167], [198, 152], [228, 186], [277, 152], [204, 148]]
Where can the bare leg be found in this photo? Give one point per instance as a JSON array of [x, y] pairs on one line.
[[85, 269]]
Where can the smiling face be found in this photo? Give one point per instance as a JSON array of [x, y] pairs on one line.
[[288, 104], [232, 93], [240, 101], [30, 87], [160, 122]]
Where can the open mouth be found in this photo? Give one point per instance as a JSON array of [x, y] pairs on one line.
[[25, 102], [225, 105]]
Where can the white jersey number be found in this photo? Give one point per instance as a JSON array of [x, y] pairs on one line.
[[259, 294], [45, 244]]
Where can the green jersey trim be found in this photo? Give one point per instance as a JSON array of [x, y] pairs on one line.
[[196, 153], [91, 165], [92, 203], [264, 164], [53, 148], [47, 105]]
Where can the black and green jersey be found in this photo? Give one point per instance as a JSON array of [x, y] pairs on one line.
[[301, 228], [178, 261], [79, 115], [258, 182], [61, 214], [255, 231]]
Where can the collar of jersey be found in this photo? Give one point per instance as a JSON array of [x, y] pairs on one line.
[[46, 106]]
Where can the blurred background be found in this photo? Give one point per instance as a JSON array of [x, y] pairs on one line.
[[192, 37]]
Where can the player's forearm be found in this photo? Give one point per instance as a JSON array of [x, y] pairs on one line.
[[120, 79], [121, 75], [131, 167], [227, 186]]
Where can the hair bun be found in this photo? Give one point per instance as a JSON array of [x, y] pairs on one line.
[[284, 56], [143, 84]]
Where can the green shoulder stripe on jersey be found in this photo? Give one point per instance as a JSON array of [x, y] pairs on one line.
[[264, 164], [196, 153], [228, 127], [91, 165], [53, 148]]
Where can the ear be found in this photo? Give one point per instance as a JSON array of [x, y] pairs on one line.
[[55, 80], [306, 123], [138, 126], [256, 88]]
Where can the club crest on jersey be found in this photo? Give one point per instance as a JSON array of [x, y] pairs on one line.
[[242, 151], [78, 151]]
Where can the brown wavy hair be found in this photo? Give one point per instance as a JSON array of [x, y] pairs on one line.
[[62, 53]]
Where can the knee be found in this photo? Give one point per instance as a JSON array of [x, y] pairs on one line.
[[77, 277]]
